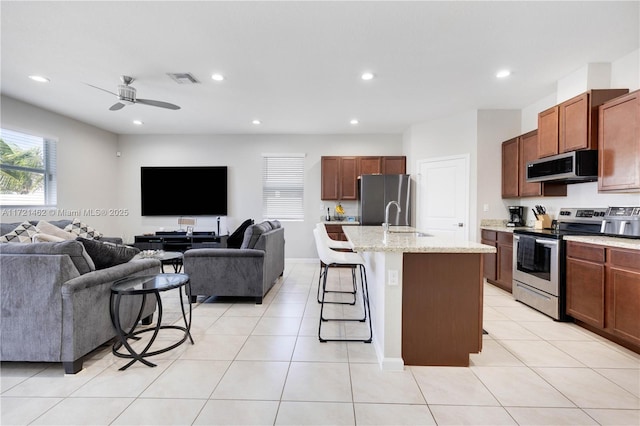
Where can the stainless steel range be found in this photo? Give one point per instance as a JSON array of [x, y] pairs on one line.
[[539, 254]]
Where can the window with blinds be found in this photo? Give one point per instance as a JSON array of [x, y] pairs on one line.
[[27, 170], [283, 186]]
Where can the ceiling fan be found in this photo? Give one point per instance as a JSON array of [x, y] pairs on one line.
[[127, 96]]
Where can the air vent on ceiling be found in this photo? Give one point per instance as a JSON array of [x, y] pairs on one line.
[[183, 78]]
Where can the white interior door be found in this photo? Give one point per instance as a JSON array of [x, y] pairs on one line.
[[443, 196]]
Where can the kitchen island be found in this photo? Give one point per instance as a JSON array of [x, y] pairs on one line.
[[426, 295]]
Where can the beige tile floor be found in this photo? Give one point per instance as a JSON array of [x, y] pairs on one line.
[[263, 364]]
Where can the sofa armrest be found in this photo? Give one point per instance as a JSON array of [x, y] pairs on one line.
[[32, 305], [225, 272]]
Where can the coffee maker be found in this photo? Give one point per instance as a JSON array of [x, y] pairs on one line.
[[516, 216]]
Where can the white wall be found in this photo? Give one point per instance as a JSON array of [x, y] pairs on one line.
[[87, 167], [447, 136], [242, 155], [494, 127]]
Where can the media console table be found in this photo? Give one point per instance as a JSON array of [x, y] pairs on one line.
[[180, 241]]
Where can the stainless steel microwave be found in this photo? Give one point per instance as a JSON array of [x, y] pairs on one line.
[[569, 167]]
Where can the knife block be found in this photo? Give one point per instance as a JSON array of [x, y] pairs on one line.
[[543, 221]]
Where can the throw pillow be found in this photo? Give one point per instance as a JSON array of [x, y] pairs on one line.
[[41, 237], [235, 239], [106, 254], [23, 233], [82, 229], [45, 227]]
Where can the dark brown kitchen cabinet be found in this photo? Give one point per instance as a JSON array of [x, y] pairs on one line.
[[394, 165], [573, 124], [510, 159], [516, 153], [335, 232], [386, 165], [623, 294], [603, 291], [619, 144], [339, 178], [548, 132], [369, 165], [498, 267], [489, 259], [585, 283]]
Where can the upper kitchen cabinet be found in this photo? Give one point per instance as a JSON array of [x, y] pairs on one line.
[[340, 174], [339, 178], [573, 124], [370, 165], [382, 165], [394, 165], [619, 140], [516, 153], [510, 156]]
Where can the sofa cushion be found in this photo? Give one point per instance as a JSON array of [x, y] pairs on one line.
[[45, 227], [74, 249], [105, 254], [252, 234], [82, 229], [22, 233]]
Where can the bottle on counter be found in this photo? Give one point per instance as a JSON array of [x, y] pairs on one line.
[[328, 218]]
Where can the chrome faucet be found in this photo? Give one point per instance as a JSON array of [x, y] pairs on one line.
[[385, 225]]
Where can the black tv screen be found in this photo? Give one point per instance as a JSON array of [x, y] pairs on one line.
[[182, 191]]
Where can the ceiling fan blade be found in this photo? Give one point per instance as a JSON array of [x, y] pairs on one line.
[[116, 106], [100, 88], [157, 103]]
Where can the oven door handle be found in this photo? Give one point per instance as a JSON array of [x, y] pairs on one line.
[[541, 241]]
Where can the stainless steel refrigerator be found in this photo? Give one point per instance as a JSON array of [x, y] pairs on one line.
[[376, 191]]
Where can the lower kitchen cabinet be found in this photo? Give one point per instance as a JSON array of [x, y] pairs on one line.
[[498, 267], [585, 283], [603, 291], [335, 232]]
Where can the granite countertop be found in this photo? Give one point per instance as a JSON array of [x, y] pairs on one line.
[[406, 239], [627, 243], [340, 222]]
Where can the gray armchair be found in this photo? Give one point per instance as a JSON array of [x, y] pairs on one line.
[[249, 271]]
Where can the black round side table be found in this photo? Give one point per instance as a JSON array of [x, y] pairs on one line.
[[144, 285]]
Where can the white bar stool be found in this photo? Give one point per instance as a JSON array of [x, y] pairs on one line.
[[332, 258], [335, 245]]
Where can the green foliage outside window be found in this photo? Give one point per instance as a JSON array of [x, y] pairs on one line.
[[21, 170]]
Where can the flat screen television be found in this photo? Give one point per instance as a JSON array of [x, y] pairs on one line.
[[184, 191]]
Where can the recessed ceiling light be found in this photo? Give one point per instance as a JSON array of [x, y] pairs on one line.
[[367, 76], [138, 122], [39, 78], [354, 121], [256, 122], [503, 73], [217, 77]]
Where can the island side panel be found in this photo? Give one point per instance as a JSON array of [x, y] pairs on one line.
[[441, 308]]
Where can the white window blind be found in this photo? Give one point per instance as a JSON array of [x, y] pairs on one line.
[[283, 186], [27, 170]]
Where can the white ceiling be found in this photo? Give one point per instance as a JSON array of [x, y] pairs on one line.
[[296, 65]]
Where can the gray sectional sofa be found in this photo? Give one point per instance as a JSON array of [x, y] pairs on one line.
[[249, 271], [55, 305]]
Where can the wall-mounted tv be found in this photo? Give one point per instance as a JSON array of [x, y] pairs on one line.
[[184, 191]]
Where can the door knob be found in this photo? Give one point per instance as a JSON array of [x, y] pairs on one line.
[[459, 224]]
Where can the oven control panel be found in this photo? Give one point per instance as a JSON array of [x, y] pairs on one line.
[[582, 215], [623, 211]]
